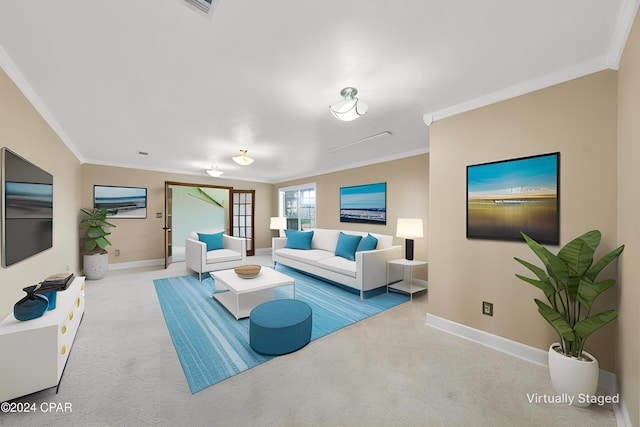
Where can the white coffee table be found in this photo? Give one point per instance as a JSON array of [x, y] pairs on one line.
[[246, 294]]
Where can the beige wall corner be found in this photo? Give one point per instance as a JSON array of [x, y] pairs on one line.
[[576, 118], [628, 342], [25, 132]]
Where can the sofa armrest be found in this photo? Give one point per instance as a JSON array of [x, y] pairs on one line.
[[238, 244], [372, 265], [195, 254], [278, 242]]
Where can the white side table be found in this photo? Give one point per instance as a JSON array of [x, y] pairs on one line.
[[410, 286]]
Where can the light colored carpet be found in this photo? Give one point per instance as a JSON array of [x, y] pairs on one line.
[[389, 369]]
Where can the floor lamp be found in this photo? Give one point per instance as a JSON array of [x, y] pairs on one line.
[[409, 228]]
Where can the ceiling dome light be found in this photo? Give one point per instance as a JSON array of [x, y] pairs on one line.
[[242, 159], [350, 108], [215, 172]]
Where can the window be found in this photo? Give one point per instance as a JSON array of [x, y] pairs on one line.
[[298, 205]]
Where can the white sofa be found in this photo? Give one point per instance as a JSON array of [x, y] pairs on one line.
[[367, 272], [198, 259]]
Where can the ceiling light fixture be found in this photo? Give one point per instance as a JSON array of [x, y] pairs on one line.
[[215, 172], [242, 159], [350, 108]]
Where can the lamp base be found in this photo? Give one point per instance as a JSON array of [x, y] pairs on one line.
[[408, 251]]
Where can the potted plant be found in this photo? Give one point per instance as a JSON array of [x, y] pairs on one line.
[[96, 258], [570, 286]]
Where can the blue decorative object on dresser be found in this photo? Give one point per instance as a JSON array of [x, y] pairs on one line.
[[31, 306]]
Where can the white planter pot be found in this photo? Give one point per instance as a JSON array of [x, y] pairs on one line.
[[96, 266], [573, 378]]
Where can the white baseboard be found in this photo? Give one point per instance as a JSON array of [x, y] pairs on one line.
[[134, 264], [608, 383]]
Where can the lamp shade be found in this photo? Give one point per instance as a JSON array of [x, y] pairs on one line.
[[350, 108], [243, 159], [278, 223], [215, 172], [409, 228]]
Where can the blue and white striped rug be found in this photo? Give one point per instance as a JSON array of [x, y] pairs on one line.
[[213, 346]]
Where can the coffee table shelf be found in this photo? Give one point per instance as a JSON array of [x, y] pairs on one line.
[[243, 295]]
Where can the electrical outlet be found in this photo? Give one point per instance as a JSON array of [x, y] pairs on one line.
[[117, 252], [487, 308]]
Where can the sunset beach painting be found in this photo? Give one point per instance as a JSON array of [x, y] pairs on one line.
[[507, 197]]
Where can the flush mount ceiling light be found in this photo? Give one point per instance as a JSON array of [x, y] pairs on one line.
[[215, 172], [242, 159], [350, 108]]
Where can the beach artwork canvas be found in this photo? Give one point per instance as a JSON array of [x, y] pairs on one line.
[[507, 197], [364, 203], [121, 202]]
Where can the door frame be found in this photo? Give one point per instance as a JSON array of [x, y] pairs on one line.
[[168, 215]]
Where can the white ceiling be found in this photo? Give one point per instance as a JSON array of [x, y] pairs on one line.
[[121, 76]]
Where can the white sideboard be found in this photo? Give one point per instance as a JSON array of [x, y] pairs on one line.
[[33, 354]]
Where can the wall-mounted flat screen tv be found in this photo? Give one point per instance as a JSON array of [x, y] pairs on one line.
[[364, 203], [27, 208]]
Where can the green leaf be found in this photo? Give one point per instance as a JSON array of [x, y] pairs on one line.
[[589, 291], [578, 254], [102, 242], [556, 320], [586, 327], [546, 287], [555, 266], [604, 261], [90, 245]]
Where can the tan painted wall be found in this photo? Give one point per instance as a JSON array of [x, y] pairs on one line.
[[578, 119], [407, 196], [143, 239], [23, 130], [628, 345]]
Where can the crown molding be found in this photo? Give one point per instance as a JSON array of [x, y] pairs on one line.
[[624, 22], [533, 85], [9, 67]]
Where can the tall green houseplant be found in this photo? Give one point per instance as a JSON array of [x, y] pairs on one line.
[[570, 286], [95, 225]]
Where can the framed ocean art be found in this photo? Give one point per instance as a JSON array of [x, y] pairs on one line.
[[121, 202], [364, 203], [510, 196]]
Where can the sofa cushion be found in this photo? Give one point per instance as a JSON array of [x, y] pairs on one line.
[[347, 245], [367, 243], [339, 265], [213, 241], [325, 239], [310, 256], [222, 255], [298, 239]]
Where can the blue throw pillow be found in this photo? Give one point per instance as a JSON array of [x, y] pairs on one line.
[[347, 245], [368, 243], [298, 239], [213, 241]]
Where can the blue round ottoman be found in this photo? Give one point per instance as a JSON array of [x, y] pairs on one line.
[[280, 326]]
